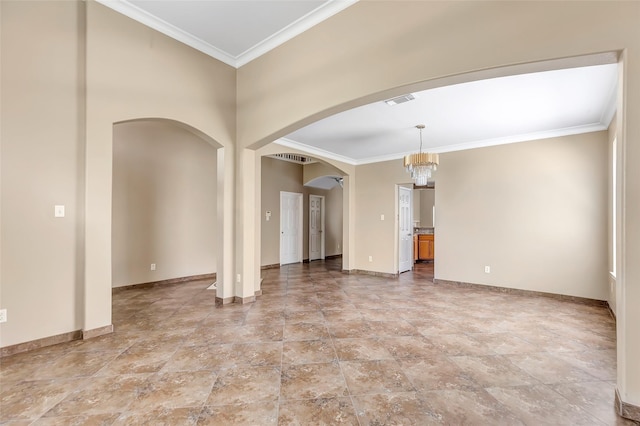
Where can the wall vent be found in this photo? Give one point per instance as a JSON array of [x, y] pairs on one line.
[[294, 158], [400, 99]]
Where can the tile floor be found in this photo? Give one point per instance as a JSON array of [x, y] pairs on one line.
[[322, 347]]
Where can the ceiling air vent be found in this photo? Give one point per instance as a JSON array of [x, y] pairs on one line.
[[294, 158], [400, 99]]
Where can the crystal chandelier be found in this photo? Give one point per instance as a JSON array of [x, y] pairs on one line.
[[421, 164]]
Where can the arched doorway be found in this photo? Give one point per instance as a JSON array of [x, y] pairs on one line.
[[164, 203]]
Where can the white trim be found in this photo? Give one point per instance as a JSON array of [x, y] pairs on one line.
[[319, 14], [299, 198], [315, 151], [547, 134], [322, 12], [322, 227], [134, 12]]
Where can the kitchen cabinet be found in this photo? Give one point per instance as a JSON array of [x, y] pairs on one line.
[[415, 248], [426, 247]]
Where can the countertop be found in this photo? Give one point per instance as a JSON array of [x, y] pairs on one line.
[[423, 231]]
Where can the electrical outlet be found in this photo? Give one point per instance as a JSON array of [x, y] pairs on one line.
[[153, 266], [238, 277], [3, 315], [370, 258], [487, 269]]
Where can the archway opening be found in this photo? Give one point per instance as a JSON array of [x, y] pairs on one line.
[[164, 203]]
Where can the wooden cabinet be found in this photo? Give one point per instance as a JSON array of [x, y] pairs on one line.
[[426, 247], [415, 248]]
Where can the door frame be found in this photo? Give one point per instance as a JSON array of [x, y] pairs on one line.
[[299, 197], [398, 234], [322, 226]]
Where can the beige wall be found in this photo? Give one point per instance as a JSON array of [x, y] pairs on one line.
[[333, 221], [376, 196], [427, 200], [164, 203], [278, 175], [42, 165], [57, 148], [535, 212], [135, 72]]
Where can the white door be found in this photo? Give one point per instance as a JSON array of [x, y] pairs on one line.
[[405, 231], [316, 227], [290, 227]]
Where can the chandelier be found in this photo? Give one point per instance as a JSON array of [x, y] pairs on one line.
[[421, 164]]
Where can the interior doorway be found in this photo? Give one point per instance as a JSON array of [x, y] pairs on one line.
[[290, 227], [405, 229], [316, 227]]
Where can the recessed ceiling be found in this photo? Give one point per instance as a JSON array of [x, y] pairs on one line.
[[486, 112]]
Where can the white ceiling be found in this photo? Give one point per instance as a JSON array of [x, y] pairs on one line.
[[461, 116], [232, 31], [469, 115]]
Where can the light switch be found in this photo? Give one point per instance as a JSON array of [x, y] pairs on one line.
[[58, 211], [381, 217]]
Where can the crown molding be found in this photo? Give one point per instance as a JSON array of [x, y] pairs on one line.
[[548, 134], [311, 150], [309, 20], [134, 12], [312, 18]]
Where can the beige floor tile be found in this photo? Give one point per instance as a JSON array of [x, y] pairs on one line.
[[160, 417], [208, 357], [79, 420], [31, 399], [244, 385], [323, 347], [490, 371], [596, 398], [392, 409], [256, 413], [409, 347], [547, 368], [308, 351], [436, 373], [460, 344], [540, 405], [103, 395], [360, 349], [467, 407], [379, 376], [305, 331], [174, 390], [323, 411], [309, 381]]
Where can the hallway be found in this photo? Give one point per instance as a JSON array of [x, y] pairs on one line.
[[323, 347]]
